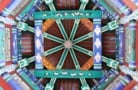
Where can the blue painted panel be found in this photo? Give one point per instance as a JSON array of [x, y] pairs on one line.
[[39, 42], [14, 45], [97, 46]]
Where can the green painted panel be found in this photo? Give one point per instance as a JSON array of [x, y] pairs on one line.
[[69, 14], [68, 74]]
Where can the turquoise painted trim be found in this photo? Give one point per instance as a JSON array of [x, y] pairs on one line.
[[68, 73], [70, 14]]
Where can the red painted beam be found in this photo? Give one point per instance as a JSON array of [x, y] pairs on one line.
[[130, 85], [4, 4], [130, 4], [4, 85]]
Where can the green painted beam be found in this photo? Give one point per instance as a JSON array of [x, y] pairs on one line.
[[25, 27], [105, 28], [23, 63], [27, 8], [68, 73], [53, 38], [26, 61], [48, 1], [83, 50], [82, 38], [77, 66], [77, 21], [22, 26], [109, 62], [31, 59], [50, 85], [84, 1], [62, 59], [74, 58], [110, 26], [62, 29], [69, 14], [74, 29], [53, 50], [58, 21], [106, 6]]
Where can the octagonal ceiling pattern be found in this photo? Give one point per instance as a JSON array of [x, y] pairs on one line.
[[68, 45]]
